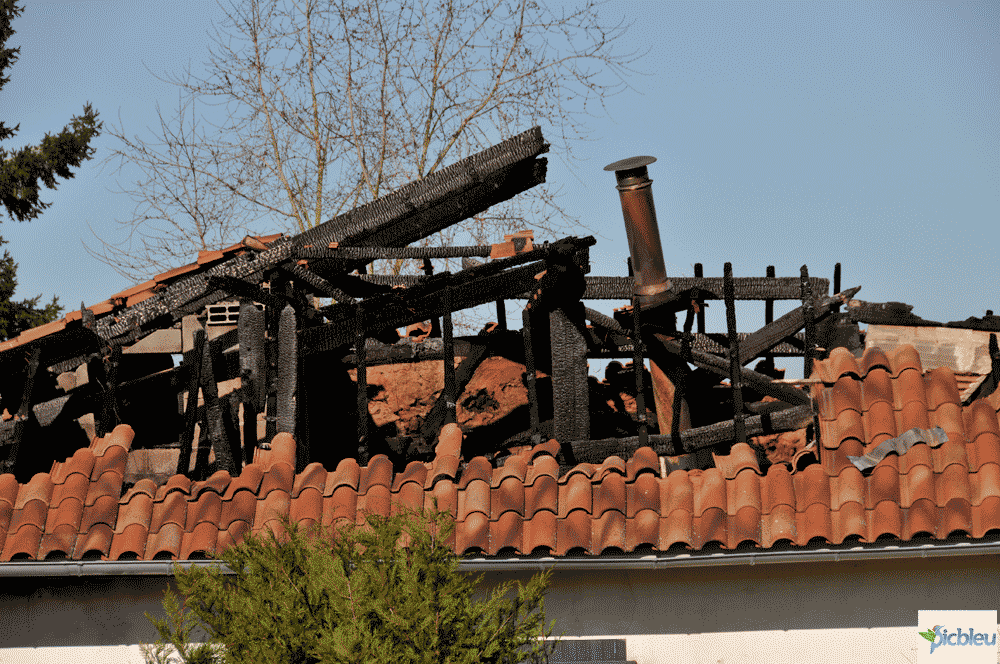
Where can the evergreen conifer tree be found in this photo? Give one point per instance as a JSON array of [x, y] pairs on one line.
[[389, 591], [21, 174]]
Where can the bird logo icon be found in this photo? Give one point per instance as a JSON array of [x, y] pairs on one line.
[[930, 634]]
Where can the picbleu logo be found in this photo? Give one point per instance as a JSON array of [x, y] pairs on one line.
[[941, 636]]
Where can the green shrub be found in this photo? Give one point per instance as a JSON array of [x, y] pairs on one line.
[[351, 595]]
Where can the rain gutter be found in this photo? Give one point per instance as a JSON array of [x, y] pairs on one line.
[[859, 553]]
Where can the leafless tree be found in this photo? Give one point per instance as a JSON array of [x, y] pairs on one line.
[[329, 105]]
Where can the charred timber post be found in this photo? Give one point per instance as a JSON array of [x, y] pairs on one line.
[[699, 273], [450, 393], [634, 188], [808, 315], [735, 375], [24, 410], [769, 316], [192, 360], [836, 278], [529, 369], [638, 351], [362, 378]]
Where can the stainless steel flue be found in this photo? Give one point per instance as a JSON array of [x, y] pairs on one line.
[[634, 188]]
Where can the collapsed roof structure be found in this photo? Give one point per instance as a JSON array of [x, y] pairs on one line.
[[269, 413]]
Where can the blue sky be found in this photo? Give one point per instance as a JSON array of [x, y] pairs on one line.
[[786, 134]]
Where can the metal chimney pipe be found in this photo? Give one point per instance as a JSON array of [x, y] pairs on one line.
[[634, 188]]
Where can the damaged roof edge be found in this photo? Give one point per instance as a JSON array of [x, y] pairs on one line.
[[853, 553]]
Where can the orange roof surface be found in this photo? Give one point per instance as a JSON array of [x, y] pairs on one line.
[[78, 511]]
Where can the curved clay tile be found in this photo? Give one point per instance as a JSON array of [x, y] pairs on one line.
[[508, 497], [231, 536], [918, 455], [6, 516], [850, 521], [777, 488], [779, 525], [880, 424], [955, 517], [138, 510], [22, 541], [921, 518], [549, 448], [107, 485], [953, 484], [940, 388], [873, 357], [145, 486], [475, 497], [573, 532], [443, 468], [410, 497], [643, 461], [248, 480], [96, 542], [607, 532], [208, 508], [613, 465], [643, 494], [343, 504], [709, 490], [514, 467], [378, 500], [121, 436], [587, 470], [917, 484], [980, 417], [540, 496], [379, 474], [240, 507], [172, 509], [984, 449], [282, 452], [8, 489], [710, 527], [449, 441], [576, 494], [167, 541], [642, 530], [740, 457], [986, 517], [951, 452], [39, 488], [279, 477], [840, 363], [876, 387], [271, 508], [984, 483], [908, 388], [81, 462], [812, 523], [744, 491], [130, 541], [610, 495], [948, 416], [76, 486], [912, 416], [676, 528], [478, 468], [347, 474], [415, 471], [845, 395], [885, 519], [507, 532], [812, 487], [103, 510], [176, 484], [443, 497], [201, 540], [58, 540], [68, 512], [744, 527], [541, 467], [882, 485], [849, 424], [217, 483], [676, 493], [540, 532], [473, 534], [905, 357], [847, 487]]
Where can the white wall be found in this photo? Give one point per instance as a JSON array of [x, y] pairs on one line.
[[815, 612]]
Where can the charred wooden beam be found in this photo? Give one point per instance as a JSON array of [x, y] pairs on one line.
[[808, 317], [638, 368], [384, 253], [362, 377], [779, 331], [450, 392], [717, 365], [735, 376], [531, 373], [193, 362], [570, 394], [287, 371], [253, 373], [700, 274], [596, 451], [315, 282], [24, 410], [214, 422]]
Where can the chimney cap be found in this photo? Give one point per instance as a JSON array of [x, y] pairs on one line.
[[630, 164]]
